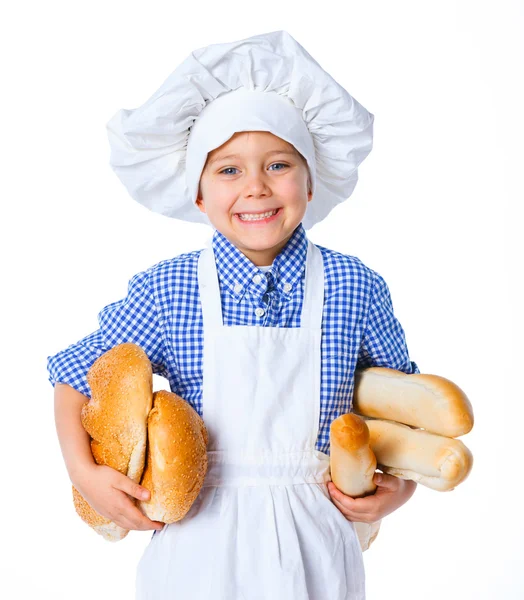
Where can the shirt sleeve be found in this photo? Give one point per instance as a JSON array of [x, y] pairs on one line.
[[132, 319], [384, 342]]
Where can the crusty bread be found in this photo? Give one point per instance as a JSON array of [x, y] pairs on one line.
[[426, 401], [352, 461], [121, 382], [435, 461], [176, 462], [353, 465]]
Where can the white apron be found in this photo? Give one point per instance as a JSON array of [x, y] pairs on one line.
[[263, 526]]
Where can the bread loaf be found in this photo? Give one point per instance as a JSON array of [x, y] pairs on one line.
[[435, 461], [121, 382], [352, 461], [353, 465], [425, 401], [176, 462]]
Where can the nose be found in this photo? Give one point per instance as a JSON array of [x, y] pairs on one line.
[[256, 186]]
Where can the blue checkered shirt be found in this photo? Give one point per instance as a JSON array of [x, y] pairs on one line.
[[162, 314]]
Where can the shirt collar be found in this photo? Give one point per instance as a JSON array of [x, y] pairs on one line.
[[237, 273]]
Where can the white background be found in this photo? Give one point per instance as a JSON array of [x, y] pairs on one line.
[[435, 212]]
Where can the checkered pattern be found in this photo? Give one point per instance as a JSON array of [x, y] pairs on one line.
[[162, 314]]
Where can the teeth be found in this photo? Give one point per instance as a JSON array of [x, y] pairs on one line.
[[247, 217]]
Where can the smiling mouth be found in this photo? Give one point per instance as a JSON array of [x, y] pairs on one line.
[[260, 216]]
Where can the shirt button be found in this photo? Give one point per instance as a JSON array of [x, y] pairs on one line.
[[257, 278], [287, 287], [238, 288], [259, 312]]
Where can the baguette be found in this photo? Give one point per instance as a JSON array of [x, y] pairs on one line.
[[435, 461], [121, 382], [176, 462], [426, 401], [353, 465], [352, 461]]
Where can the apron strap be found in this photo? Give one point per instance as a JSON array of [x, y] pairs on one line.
[[313, 303], [209, 288]]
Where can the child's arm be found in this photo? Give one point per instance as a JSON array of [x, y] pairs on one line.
[[74, 439], [104, 488], [383, 345], [133, 319]]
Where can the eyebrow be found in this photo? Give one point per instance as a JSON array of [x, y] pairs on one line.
[[293, 153]]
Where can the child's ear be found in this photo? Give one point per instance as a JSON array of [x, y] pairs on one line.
[[309, 190], [200, 203]]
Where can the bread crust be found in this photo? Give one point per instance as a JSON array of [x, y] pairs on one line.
[[437, 462], [353, 465], [424, 401], [352, 461], [176, 462], [121, 382]]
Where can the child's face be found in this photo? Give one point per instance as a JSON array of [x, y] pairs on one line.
[[267, 173]]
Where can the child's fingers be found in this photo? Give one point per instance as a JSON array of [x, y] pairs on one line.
[[355, 509], [127, 510], [127, 485], [352, 515], [346, 512], [132, 524], [346, 501], [124, 522], [129, 513]]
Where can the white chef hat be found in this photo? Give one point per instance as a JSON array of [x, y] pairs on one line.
[[267, 82]]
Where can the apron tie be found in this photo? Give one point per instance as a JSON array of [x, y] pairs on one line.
[[291, 468]]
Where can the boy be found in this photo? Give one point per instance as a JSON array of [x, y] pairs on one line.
[[261, 332]]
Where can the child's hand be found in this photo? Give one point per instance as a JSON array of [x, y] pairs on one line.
[[391, 493], [108, 491]]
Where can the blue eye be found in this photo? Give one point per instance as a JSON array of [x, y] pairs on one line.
[[235, 169]]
